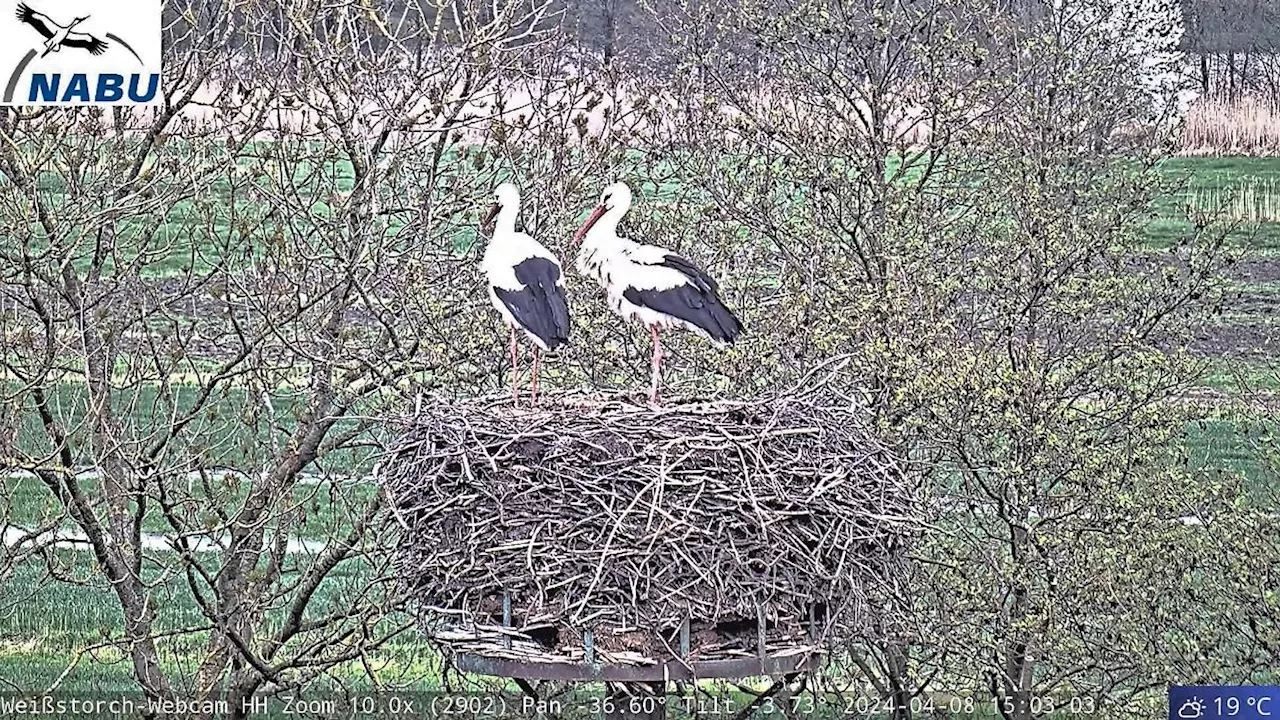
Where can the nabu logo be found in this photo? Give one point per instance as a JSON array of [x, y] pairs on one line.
[[81, 52]]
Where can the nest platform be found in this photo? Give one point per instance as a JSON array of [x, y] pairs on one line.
[[697, 538]]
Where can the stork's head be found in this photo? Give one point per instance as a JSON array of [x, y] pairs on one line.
[[506, 195], [77, 21], [617, 195], [615, 200]]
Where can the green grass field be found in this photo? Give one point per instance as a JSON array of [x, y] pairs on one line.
[[50, 631]]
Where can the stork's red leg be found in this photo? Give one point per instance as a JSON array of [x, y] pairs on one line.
[[537, 360], [515, 374], [657, 364]]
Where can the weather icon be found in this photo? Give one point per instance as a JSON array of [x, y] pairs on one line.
[[1191, 709]]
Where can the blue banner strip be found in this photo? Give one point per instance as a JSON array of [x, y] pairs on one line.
[[1224, 702]]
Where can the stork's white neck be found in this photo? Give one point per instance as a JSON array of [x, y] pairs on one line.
[[504, 225], [606, 228]]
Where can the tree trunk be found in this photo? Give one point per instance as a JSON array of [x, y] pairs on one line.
[[899, 679], [1270, 72], [610, 30], [1231, 76]]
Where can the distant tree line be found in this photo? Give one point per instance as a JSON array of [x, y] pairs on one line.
[[611, 30], [624, 28], [1235, 44], [636, 36]]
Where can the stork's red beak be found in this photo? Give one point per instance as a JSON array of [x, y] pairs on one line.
[[487, 222], [586, 227]]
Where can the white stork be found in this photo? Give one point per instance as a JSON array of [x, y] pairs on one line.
[[650, 284], [526, 285], [58, 35]]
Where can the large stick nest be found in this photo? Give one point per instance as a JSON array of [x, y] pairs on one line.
[[597, 514]]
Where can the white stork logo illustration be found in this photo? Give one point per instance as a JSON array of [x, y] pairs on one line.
[[58, 35], [79, 60]]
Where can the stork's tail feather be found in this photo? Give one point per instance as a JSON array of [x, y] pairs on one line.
[[727, 326], [560, 319]]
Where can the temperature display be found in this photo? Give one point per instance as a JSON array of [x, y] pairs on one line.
[[1223, 702]]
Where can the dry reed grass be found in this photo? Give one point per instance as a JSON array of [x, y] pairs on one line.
[[1249, 126]]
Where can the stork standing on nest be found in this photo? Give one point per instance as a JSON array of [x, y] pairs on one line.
[[649, 284], [526, 285]]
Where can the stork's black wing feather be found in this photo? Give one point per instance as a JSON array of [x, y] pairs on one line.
[[696, 302], [34, 19], [699, 278], [693, 305], [88, 42], [540, 306]]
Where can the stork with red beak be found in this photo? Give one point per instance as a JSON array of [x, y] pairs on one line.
[[649, 284], [526, 285]]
